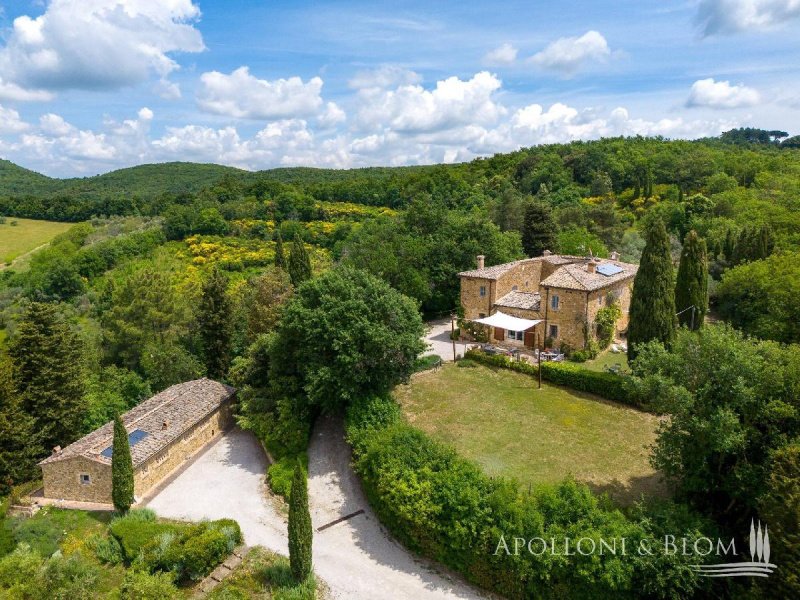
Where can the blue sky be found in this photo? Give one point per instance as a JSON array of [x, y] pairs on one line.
[[87, 86]]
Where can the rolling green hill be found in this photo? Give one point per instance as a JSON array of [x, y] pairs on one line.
[[18, 181]]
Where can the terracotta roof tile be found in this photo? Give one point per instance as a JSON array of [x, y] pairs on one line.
[[180, 406], [496, 271], [525, 300], [575, 276]]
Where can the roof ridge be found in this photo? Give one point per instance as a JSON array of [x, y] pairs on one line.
[[152, 410]]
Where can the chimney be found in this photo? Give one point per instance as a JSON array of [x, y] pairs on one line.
[[615, 255], [165, 425], [481, 259], [57, 451], [591, 266], [546, 253]]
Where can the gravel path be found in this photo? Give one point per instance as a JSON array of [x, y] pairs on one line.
[[356, 558], [226, 481], [438, 339]]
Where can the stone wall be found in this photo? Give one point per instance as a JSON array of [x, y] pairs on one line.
[[474, 304], [525, 276], [569, 317], [161, 465], [62, 479]]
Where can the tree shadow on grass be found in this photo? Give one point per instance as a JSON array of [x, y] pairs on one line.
[[631, 491]]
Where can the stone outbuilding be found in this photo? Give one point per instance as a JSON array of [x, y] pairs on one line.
[[164, 431], [563, 292]]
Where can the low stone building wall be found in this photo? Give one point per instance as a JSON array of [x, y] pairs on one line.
[[155, 470]]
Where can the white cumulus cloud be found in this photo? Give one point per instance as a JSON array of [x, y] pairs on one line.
[[505, 54], [567, 55], [97, 44], [412, 108], [721, 94], [243, 96], [733, 16], [10, 121]]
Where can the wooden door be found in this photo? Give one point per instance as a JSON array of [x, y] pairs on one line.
[[499, 334]]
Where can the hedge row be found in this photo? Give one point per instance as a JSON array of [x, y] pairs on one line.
[[188, 551], [446, 508], [606, 385]]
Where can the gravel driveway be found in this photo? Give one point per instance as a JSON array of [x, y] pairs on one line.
[[438, 338], [356, 558]]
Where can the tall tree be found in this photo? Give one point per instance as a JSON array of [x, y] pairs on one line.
[[18, 443], [48, 371], [121, 468], [215, 324], [299, 262], [280, 259], [538, 230], [652, 310], [300, 532], [691, 289]]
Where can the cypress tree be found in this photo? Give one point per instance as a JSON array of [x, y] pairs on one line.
[[215, 324], [121, 468], [299, 262], [729, 248], [691, 288], [652, 311], [300, 532], [18, 443], [48, 372], [538, 229], [280, 259]]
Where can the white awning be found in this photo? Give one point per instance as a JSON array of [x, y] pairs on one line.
[[504, 321]]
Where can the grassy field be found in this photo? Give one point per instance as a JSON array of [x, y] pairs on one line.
[[500, 420], [605, 359], [26, 235]]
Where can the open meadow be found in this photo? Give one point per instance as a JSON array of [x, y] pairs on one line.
[[501, 420], [27, 235]]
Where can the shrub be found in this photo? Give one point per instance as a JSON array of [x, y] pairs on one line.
[[606, 385], [466, 363], [280, 473], [423, 363], [135, 530], [106, 548], [70, 577], [139, 585], [190, 552], [200, 553]]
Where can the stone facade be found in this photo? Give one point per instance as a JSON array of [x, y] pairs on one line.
[[570, 291], [165, 431]]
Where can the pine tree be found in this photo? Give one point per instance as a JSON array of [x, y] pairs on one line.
[[19, 446], [691, 288], [299, 262], [300, 532], [121, 468], [652, 310], [48, 372], [280, 259], [215, 323], [538, 230]]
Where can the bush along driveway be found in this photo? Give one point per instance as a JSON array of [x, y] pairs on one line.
[[354, 556]]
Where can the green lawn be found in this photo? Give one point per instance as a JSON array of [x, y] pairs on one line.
[[605, 359], [499, 419], [26, 235]]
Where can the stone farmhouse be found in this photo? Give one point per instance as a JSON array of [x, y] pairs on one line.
[[164, 431], [563, 292]]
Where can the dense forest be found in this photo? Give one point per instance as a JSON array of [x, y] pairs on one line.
[[179, 270]]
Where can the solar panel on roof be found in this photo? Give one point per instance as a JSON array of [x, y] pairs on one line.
[[135, 436], [609, 269]]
